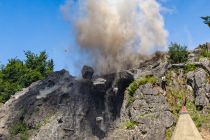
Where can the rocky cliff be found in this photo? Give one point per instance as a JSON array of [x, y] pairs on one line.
[[127, 105]]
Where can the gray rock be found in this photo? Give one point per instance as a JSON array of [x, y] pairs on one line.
[[207, 87], [208, 96], [200, 78], [69, 108], [167, 118], [87, 72], [100, 84], [201, 101], [99, 119], [190, 79], [148, 89], [200, 92], [151, 112]]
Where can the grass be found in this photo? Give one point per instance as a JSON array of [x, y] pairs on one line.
[[169, 133], [130, 124], [175, 98], [131, 89], [42, 123], [21, 129], [189, 67], [200, 119], [205, 52]]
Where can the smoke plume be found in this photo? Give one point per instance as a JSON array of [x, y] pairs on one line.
[[115, 32]]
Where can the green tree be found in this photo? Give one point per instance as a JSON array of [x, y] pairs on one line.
[[18, 74], [39, 62], [178, 53], [206, 20], [13, 71]]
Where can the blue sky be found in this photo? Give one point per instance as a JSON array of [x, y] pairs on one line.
[[38, 25]]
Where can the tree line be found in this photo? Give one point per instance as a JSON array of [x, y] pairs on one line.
[[18, 74]]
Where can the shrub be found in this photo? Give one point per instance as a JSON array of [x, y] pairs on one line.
[[168, 134], [130, 124], [206, 20], [189, 67], [18, 74], [177, 53], [42, 123], [175, 99], [141, 81], [19, 127], [205, 52], [135, 85]]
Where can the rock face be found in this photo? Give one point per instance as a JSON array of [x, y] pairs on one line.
[[63, 107], [150, 113], [198, 81], [87, 72]]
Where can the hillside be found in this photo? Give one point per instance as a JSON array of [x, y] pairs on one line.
[[127, 105]]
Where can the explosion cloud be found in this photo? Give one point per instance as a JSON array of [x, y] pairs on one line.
[[115, 32]]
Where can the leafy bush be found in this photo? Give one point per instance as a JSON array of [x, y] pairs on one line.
[[19, 127], [206, 20], [141, 81], [205, 52], [130, 124], [189, 67], [18, 74], [169, 132], [42, 123], [178, 53]]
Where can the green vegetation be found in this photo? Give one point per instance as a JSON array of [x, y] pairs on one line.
[[169, 132], [141, 81], [189, 67], [175, 99], [18, 74], [178, 53], [42, 123], [206, 20], [150, 116], [130, 124], [200, 119], [135, 85], [205, 52], [19, 128]]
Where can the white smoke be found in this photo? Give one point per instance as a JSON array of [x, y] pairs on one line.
[[115, 32]]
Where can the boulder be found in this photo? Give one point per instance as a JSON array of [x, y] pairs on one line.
[[201, 101], [200, 92], [87, 72], [190, 79], [200, 78], [100, 84], [148, 89]]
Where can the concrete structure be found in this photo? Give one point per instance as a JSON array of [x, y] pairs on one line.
[[185, 128]]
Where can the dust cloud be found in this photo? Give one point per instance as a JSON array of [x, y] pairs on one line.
[[116, 34]]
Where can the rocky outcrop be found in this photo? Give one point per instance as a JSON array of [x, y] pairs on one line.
[[150, 113], [199, 82], [65, 108], [98, 107], [87, 72]]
